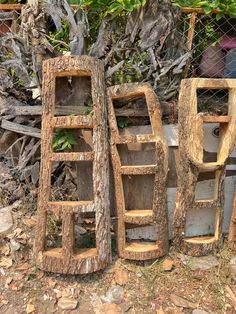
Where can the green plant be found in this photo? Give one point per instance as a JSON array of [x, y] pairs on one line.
[[87, 111], [222, 6], [123, 122], [63, 140], [61, 39], [107, 7], [10, 1]]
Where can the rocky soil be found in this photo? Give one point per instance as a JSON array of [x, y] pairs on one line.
[[174, 284]]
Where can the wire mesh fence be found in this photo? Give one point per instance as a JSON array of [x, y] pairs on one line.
[[212, 44]]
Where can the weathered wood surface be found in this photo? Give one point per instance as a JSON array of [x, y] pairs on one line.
[[10, 6], [156, 210], [22, 110], [191, 163], [21, 129], [66, 259]]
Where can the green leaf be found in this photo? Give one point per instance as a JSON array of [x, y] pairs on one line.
[[12, 71], [114, 7]]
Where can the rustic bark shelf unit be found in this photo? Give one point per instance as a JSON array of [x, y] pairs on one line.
[[66, 259], [156, 215], [191, 162]]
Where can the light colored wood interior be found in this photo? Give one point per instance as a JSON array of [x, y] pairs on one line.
[[203, 239], [79, 254], [139, 213], [141, 247]]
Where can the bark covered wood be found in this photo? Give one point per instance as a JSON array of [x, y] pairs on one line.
[[66, 259], [158, 213], [191, 163]]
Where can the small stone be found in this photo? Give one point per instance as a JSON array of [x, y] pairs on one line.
[[67, 304], [121, 276], [199, 311], [6, 221], [114, 295], [203, 263], [14, 245], [182, 302], [198, 274], [168, 264], [80, 230]]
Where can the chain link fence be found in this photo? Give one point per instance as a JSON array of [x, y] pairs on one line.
[[212, 44]]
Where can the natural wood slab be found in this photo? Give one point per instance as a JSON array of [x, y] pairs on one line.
[[67, 259], [191, 163], [158, 213]]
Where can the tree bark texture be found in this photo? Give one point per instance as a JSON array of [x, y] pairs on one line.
[[191, 162], [156, 215], [66, 259]]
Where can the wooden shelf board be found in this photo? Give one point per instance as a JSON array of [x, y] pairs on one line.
[[139, 213], [140, 169], [70, 203], [72, 156], [216, 119], [79, 254], [201, 240], [140, 247]]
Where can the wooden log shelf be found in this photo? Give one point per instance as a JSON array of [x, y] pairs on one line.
[[67, 259], [156, 215], [191, 162]]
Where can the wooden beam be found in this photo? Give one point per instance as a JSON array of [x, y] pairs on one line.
[[19, 128], [11, 7], [188, 10]]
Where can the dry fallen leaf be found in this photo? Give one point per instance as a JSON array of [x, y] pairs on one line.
[[8, 281], [16, 286], [17, 232], [23, 266], [231, 295], [6, 262], [5, 249], [182, 302], [30, 222], [168, 264]]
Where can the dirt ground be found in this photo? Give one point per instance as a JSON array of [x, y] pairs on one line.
[[161, 286]]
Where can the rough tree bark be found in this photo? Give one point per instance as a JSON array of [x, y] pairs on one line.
[[156, 215], [66, 259], [191, 162]]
